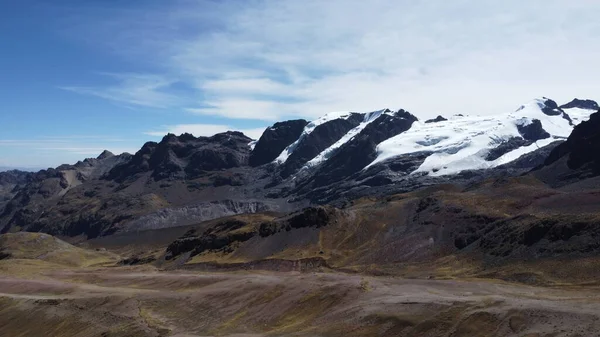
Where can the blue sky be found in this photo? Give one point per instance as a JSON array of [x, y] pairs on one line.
[[80, 76]]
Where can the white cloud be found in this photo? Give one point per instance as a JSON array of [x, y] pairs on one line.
[[205, 130], [270, 60], [236, 108]]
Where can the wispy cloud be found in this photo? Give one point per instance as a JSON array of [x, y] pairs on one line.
[[134, 89], [204, 130], [276, 59]]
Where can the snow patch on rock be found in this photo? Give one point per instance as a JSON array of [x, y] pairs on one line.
[[308, 129], [325, 154]]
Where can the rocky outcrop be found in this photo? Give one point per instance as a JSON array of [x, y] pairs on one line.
[[436, 120], [217, 237], [274, 140], [224, 236], [529, 160], [532, 131], [550, 108], [581, 104], [316, 217], [506, 147]]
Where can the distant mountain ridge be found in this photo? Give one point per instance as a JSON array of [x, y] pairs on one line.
[[18, 168]]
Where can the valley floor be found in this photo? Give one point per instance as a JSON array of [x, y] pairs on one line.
[[37, 300]]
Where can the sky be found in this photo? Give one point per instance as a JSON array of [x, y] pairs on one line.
[[81, 76]]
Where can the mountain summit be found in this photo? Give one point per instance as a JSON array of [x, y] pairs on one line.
[[105, 154]]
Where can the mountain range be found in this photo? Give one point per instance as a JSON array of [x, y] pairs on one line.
[[479, 225], [334, 159]]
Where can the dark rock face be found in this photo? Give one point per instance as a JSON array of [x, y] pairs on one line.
[[582, 104], [211, 160], [274, 140], [530, 160], [436, 120], [388, 177], [505, 147], [582, 147], [407, 163], [533, 131], [186, 156], [362, 149], [322, 137]]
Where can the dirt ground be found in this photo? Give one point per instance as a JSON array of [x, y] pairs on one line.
[[143, 301]]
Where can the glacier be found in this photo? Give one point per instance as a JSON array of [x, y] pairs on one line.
[[462, 142]]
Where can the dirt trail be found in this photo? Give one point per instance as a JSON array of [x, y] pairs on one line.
[[129, 302]]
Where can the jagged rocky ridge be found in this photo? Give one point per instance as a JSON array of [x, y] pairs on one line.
[[186, 157], [334, 159]]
